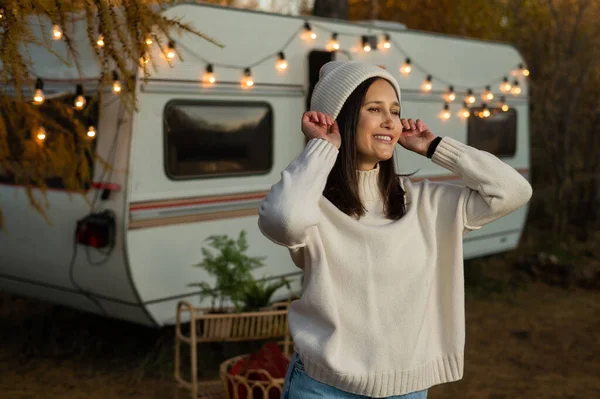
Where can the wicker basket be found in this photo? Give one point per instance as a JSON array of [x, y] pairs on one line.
[[269, 323], [241, 387]]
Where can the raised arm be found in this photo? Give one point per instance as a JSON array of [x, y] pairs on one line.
[[292, 205], [496, 188]]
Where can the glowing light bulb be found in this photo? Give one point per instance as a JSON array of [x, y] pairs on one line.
[[503, 105], [170, 51], [386, 43], [307, 33], [91, 133], [450, 94], [366, 45], [144, 59], [470, 99], [247, 81], [57, 32], [333, 44], [41, 134], [427, 86], [487, 95], [209, 75], [116, 86], [485, 112], [516, 90], [100, 42], [446, 112], [505, 85], [524, 71], [79, 98], [149, 40], [38, 96], [1, 13], [406, 68], [281, 64], [464, 111], [79, 102]]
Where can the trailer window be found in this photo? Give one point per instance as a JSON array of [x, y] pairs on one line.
[[496, 134], [217, 138]]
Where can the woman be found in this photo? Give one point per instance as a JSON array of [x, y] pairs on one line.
[[382, 308]]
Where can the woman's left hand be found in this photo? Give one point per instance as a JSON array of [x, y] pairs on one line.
[[415, 136]]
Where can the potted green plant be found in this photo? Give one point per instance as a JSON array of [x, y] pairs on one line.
[[257, 294], [234, 281]]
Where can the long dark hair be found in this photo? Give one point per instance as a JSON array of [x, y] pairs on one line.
[[342, 184]]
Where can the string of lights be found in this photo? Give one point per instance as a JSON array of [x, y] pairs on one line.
[[306, 32], [368, 44]]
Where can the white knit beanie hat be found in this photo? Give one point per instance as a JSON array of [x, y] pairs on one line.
[[338, 79]]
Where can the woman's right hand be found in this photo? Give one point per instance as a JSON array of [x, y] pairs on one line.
[[317, 125]]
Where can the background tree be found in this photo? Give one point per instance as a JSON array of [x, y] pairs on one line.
[[125, 27]]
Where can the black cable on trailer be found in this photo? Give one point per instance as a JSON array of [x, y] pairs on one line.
[[108, 213], [72, 277]]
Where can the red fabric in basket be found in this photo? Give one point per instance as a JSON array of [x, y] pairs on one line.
[[268, 358]]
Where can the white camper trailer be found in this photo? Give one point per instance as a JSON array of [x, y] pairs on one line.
[[199, 155]]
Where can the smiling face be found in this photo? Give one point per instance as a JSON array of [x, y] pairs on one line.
[[378, 128]]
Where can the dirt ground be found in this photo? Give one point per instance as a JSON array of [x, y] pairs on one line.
[[537, 342]]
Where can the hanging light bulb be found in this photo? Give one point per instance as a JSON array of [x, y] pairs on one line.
[[524, 71], [450, 94], [149, 40], [41, 134], [281, 64], [209, 75], [464, 111], [406, 68], [57, 32], [470, 99], [116, 86], [487, 95], [38, 96], [366, 45], [170, 50], [516, 90], [1, 13], [485, 112], [79, 98], [307, 33], [503, 104], [91, 133], [333, 44], [445, 114], [386, 43], [100, 41], [427, 85], [247, 81], [505, 85], [144, 59]]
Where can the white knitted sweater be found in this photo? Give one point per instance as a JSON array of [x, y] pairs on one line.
[[382, 309]]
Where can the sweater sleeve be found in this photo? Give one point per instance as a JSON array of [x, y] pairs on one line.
[[494, 188], [292, 205]]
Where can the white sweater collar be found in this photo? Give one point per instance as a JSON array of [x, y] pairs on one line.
[[368, 184]]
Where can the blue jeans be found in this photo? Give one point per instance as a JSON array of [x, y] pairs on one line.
[[298, 385]]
